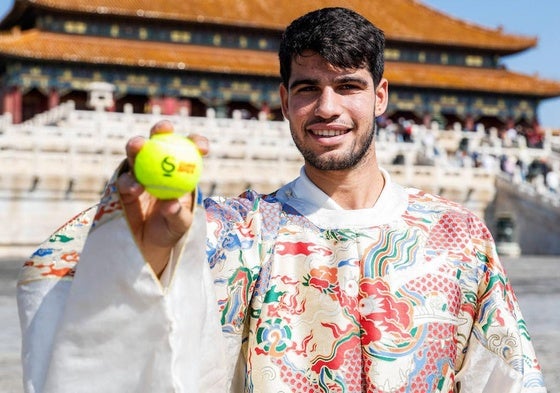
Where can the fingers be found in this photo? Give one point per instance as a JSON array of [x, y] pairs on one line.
[[165, 126], [133, 146], [135, 143], [177, 215], [162, 127], [201, 142], [154, 221], [135, 203], [129, 188]]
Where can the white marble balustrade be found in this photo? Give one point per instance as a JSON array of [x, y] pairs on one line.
[[72, 153]]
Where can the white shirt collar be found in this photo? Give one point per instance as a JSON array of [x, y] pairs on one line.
[[319, 208]]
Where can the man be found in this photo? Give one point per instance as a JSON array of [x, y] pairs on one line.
[[341, 281]]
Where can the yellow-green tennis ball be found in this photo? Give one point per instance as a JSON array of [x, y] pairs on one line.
[[168, 166]]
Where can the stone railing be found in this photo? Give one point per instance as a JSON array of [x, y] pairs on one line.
[[75, 156], [58, 163], [67, 153]]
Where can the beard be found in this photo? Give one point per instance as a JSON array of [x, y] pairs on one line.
[[344, 161]]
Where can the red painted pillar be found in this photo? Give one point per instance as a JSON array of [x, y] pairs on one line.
[[18, 105], [169, 106], [54, 98], [6, 101], [12, 103], [469, 123]]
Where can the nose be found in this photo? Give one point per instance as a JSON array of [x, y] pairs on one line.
[[328, 104]]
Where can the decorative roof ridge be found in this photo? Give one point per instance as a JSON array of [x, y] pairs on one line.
[[14, 32]]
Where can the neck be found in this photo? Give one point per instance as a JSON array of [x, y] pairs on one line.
[[352, 188]]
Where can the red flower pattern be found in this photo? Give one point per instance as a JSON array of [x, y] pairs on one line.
[[383, 314]]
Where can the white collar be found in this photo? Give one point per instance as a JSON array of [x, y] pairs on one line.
[[320, 209]]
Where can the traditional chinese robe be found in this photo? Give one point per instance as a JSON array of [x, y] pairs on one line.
[[278, 293]]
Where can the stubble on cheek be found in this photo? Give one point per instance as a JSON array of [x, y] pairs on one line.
[[331, 159]]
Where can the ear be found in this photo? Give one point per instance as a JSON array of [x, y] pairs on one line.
[[284, 101], [381, 97]]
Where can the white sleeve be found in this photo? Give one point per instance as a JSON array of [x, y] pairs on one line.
[[485, 372], [116, 328], [42, 290]]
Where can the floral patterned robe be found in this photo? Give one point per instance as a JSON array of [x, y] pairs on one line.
[[408, 296]]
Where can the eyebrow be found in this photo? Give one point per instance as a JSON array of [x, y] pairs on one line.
[[353, 79], [307, 81], [341, 80]]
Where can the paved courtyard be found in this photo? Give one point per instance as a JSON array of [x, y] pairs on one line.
[[536, 281]]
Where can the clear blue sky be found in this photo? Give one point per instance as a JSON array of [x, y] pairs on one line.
[[526, 17], [539, 19]]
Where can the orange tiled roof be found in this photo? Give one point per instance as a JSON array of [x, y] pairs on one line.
[[496, 81], [402, 20], [36, 44]]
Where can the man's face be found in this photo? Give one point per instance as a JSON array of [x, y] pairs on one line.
[[332, 112]]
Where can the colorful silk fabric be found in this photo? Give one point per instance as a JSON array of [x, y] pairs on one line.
[[400, 306], [408, 296]]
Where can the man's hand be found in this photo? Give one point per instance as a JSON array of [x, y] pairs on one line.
[[157, 225]]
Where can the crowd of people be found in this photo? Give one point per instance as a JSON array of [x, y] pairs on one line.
[[504, 149]]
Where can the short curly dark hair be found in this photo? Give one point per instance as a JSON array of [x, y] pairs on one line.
[[341, 36]]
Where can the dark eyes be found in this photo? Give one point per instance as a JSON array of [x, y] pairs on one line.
[[307, 88], [344, 88], [350, 87]]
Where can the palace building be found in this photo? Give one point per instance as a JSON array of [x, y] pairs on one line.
[[194, 55]]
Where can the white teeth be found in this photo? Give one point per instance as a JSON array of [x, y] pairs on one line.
[[328, 132]]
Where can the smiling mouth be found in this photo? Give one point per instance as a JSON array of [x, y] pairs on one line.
[[328, 133]]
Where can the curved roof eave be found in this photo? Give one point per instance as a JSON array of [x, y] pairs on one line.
[[46, 46], [430, 25]]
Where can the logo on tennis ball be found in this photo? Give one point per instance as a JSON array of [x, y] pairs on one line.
[[168, 166]]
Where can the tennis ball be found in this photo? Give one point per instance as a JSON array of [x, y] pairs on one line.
[[168, 166]]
